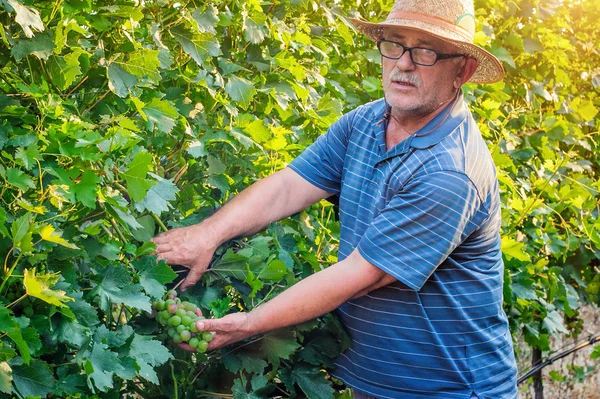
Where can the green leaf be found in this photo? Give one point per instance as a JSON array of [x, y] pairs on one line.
[[6, 352], [274, 271], [160, 114], [503, 55], [19, 179], [40, 46], [5, 378], [19, 229], [514, 249], [142, 62], [240, 90], [40, 287], [585, 109], [116, 287], [239, 391], [244, 359], [9, 325], [86, 188], [232, 265], [207, 20], [28, 156], [101, 366], [254, 28], [27, 17], [120, 82], [49, 234], [158, 197], [135, 176], [553, 323], [198, 46], [312, 381], [34, 379], [154, 276], [280, 344], [258, 131], [64, 70], [148, 353]]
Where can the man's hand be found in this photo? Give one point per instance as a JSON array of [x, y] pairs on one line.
[[192, 247], [227, 330]]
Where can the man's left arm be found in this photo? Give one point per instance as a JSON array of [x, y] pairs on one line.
[[311, 297]]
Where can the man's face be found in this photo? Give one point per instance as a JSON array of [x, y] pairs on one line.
[[419, 90]]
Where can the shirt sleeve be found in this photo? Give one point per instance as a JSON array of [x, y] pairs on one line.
[[422, 225], [322, 162]]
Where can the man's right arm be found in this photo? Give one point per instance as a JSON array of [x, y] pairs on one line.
[[270, 199]]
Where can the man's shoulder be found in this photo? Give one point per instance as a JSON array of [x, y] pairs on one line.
[[373, 110]]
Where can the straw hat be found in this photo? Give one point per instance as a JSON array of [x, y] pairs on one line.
[[450, 20]]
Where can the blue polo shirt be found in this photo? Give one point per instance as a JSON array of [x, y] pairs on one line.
[[426, 212]]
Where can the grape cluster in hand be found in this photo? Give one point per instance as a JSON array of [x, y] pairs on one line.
[[179, 318]]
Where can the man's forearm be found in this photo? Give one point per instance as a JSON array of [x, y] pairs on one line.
[[270, 199], [318, 294]]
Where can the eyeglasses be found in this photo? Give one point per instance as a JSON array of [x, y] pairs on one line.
[[418, 55]]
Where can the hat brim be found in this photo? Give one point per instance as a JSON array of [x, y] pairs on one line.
[[489, 69]]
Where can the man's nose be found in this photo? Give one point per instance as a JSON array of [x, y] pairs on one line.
[[405, 63]]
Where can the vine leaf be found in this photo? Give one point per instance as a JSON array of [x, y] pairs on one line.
[[49, 234], [160, 114], [27, 17], [240, 90], [312, 381], [199, 46], [148, 353], [120, 82], [33, 380], [5, 378], [279, 345], [39, 287], [116, 287], [40, 46], [9, 325], [158, 196], [135, 176]]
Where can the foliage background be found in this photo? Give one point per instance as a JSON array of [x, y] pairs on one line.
[[120, 118]]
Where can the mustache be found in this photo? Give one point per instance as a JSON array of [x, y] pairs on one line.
[[399, 76]]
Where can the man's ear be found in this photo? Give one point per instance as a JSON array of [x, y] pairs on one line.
[[465, 71]]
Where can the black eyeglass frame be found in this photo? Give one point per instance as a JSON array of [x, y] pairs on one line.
[[438, 56]]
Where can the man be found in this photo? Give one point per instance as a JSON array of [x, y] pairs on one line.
[[419, 252]]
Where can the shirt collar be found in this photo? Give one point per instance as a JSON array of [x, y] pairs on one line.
[[434, 131], [442, 125]]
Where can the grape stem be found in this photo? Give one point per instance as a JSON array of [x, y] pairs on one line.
[[175, 388]]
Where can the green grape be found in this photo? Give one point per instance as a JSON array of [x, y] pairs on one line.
[[180, 312], [181, 328], [169, 301], [186, 320], [28, 311], [177, 339], [171, 331], [193, 326], [160, 305], [185, 335], [172, 294], [191, 314], [194, 342], [202, 345], [207, 336], [175, 320]]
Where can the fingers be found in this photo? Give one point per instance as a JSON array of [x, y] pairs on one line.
[[192, 278], [186, 347]]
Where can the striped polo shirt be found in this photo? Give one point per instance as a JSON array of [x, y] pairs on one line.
[[426, 212]]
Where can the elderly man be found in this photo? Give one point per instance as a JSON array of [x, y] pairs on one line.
[[418, 284]]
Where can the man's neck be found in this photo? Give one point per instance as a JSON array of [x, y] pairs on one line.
[[403, 124]]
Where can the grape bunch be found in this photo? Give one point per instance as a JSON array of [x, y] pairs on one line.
[[179, 318]]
